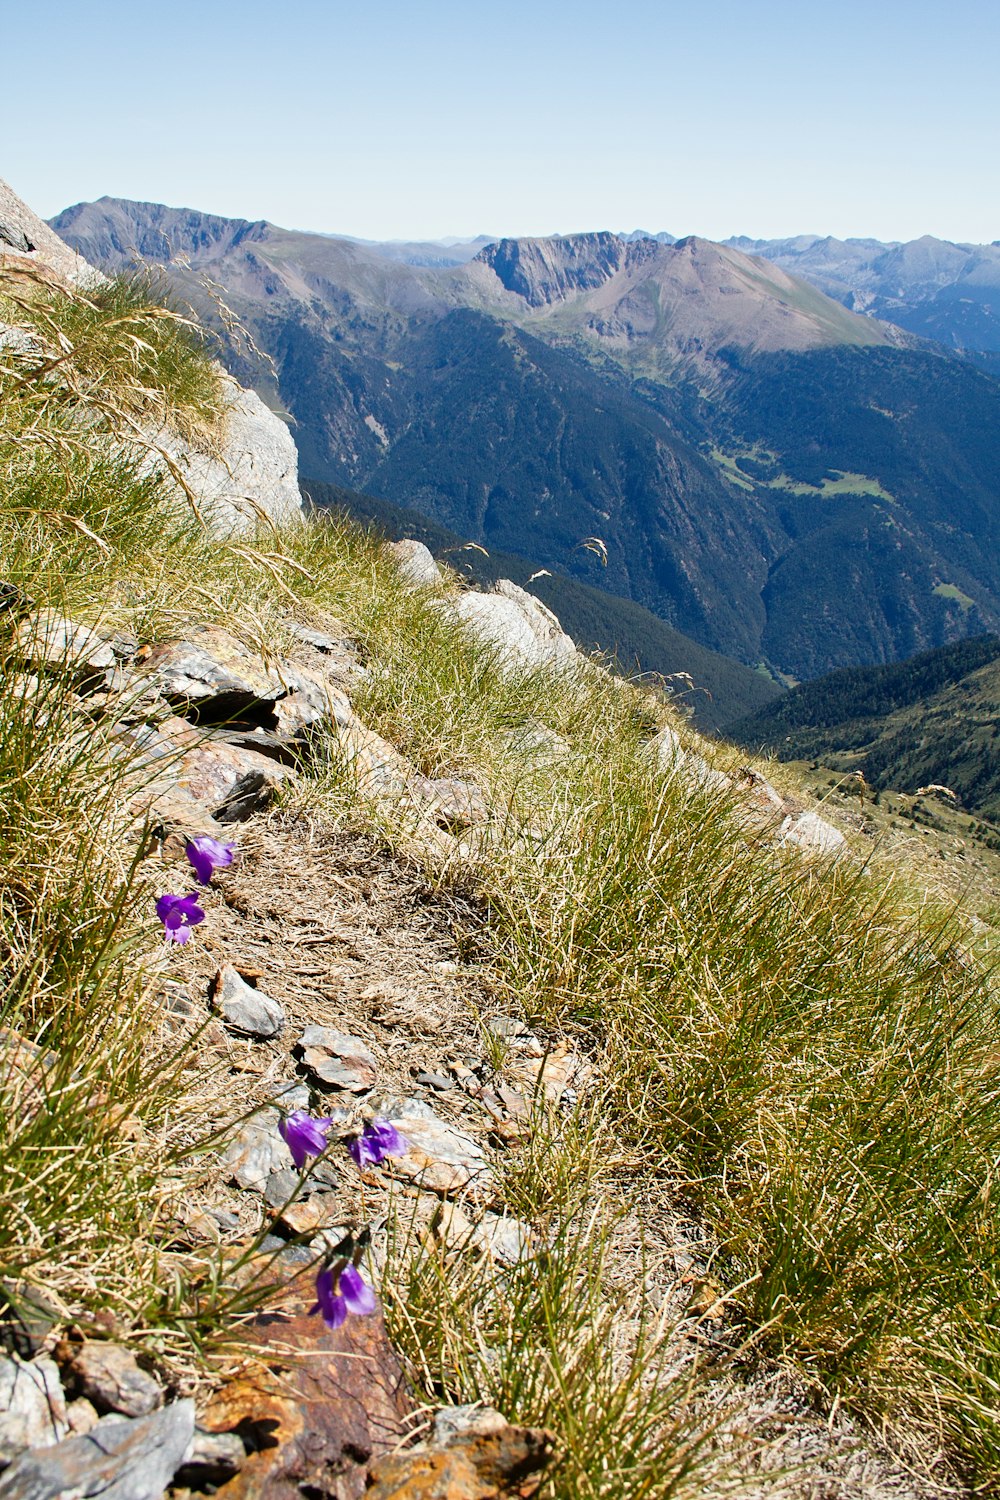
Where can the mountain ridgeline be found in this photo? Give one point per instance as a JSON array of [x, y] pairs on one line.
[[933, 719], [788, 482]]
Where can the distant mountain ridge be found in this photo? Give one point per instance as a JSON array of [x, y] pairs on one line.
[[783, 479], [935, 288]]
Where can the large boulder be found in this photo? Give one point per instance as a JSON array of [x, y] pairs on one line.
[[518, 625], [251, 473], [252, 476], [27, 240]]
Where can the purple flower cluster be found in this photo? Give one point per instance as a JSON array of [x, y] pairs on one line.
[[340, 1293], [379, 1139], [343, 1291], [206, 855], [178, 915], [303, 1135]]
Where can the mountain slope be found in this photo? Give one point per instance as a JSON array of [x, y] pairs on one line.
[[715, 689], [778, 477], [933, 719], [935, 288]]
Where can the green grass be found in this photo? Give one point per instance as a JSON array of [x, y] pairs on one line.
[[842, 484], [952, 591]]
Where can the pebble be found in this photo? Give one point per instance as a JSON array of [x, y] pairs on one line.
[[109, 1377], [338, 1059], [244, 1008], [435, 1081]]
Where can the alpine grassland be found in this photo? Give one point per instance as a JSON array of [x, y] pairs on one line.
[[799, 1057]]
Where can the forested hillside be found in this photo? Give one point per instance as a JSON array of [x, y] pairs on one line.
[[932, 719]]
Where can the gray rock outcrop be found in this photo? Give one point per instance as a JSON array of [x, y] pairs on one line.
[[251, 474], [518, 625]]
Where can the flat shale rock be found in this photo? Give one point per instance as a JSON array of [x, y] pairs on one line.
[[244, 1008], [440, 1156], [256, 1152], [337, 1059], [50, 640], [210, 782], [318, 1409], [119, 1459]]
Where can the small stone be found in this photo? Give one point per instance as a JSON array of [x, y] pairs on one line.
[[506, 1026], [452, 1421], [435, 1081], [255, 1152], [110, 1378], [228, 1222], [415, 562], [81, 1415], [293, 1094], [280, 1186], [244, 1008], [119, 1459], [32, 1406], [338, 1059], [26, 1315], [310, 1215], [330, 645], [177, 999], [507, 1241], [211, 1458]]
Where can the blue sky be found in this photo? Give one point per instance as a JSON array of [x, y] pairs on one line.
[[434, 118]]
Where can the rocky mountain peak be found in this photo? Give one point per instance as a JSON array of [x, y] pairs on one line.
[[115, 232], [543, 271]]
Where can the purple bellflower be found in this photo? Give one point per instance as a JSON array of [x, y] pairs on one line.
[[207, 854], [178, 915], [343, 1293], [303, 1135], [379, 1139]]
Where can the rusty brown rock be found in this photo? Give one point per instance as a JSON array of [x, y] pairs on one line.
[[319, 1407], [194, 784], [484, 1465]]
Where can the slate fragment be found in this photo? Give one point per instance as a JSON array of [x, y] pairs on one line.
[[119, 1459]]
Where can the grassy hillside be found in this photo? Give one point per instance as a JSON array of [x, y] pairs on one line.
[[781, 1151], [720, 689], [933, 718]]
